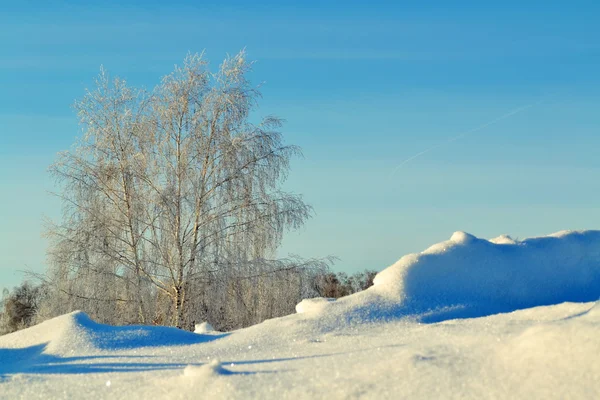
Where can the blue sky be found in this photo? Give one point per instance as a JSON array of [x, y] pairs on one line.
[[363, 86]]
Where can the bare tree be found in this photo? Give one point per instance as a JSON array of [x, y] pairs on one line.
[[170, 191]]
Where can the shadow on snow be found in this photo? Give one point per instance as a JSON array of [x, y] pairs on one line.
[[33, 360]]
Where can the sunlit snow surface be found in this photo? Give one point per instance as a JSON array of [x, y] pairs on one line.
[[412, 335]]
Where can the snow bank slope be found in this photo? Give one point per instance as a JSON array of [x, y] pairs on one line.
[[470, 277], [539, 353]]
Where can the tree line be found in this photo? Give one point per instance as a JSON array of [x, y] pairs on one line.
[[29, 303]]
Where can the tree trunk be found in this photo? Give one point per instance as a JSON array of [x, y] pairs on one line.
[[179, 302]]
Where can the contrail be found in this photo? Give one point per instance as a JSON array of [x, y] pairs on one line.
[[462, 135]]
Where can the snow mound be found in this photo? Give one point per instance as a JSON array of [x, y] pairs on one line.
[[77, 333], [503, 239], [470, 277], [204, 327], [315, 305], [214, 368]]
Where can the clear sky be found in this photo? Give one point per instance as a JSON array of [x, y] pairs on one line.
[[363, 87]]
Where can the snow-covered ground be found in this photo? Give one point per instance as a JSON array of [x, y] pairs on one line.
[[466, 318]]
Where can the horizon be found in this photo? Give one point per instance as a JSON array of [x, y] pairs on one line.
[[363, 90]]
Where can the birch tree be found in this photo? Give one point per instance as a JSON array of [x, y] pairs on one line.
[[168, 191]]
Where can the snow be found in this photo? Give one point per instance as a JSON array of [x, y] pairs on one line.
[[206, 370], [204, 327], [313, 306], [466, 318]]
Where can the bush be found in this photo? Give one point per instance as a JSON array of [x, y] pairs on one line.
[[336, 285]]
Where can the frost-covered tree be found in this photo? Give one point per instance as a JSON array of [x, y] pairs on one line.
[[174, 196], [18, 307]]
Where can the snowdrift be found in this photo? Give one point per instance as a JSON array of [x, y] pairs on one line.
[[471, 277], [77, 333], [73, 344]]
